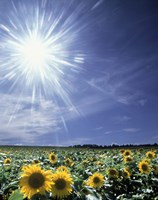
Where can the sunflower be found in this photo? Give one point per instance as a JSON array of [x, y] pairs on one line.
[[69, 162], [122, 151], [96, 180], [140, 150], [53, 158], [62, 168], [22, 168], [126, 174], [127, 153], [144, 167], [7, 161], [146, 160], [128, 159], [35, 180], [36, 161], [155, 169], [99, 163], [62, 184], [150, 154], [113, 173]]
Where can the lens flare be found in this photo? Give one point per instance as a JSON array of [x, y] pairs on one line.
[[39, 47], [34, 54]]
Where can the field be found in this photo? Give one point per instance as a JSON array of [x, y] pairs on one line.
[[40, 173]]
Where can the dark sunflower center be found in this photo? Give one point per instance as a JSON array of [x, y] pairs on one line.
[[112, 172], [144, 167], [150, 155], [7, 161], [60, 184], [36, 180], [96, 180], [129, 159], [127, 153], [36, 161], [53, 157], [125, 174]]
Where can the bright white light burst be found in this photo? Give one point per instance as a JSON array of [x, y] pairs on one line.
[[35, 54], [39, 47]]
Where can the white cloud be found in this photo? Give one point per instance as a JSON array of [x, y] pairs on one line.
[[99, 128], [107, 132], [120, 131], [99, 2], [92, 103], [123, 118], [76, 141], [116, 89], [132, 130], [142, 102], [155, 137], [128, 99], [25, 122]]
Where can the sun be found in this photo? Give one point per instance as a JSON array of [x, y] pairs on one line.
[[35, 53], [40, 50]]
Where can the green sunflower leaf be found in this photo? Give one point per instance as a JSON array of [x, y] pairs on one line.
[[16, 195]]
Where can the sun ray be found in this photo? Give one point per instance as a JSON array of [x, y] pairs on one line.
[[40, 48]]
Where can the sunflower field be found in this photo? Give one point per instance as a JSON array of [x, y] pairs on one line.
[[78, 173]]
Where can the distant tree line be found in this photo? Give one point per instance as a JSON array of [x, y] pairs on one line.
[[95, 146]]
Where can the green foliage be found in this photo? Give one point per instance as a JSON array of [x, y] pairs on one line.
[[84, 162], [16, 195]]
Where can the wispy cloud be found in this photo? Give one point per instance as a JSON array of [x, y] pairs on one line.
[[155, 137], [119, 83], [120, 131], [26, 122], [99, 2], [131, 130], [123, 118], [142, 102], [108, 132], [99, 128], [92, 103], [117, 91]]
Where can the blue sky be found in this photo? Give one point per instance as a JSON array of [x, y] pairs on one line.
[[103, 88]]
